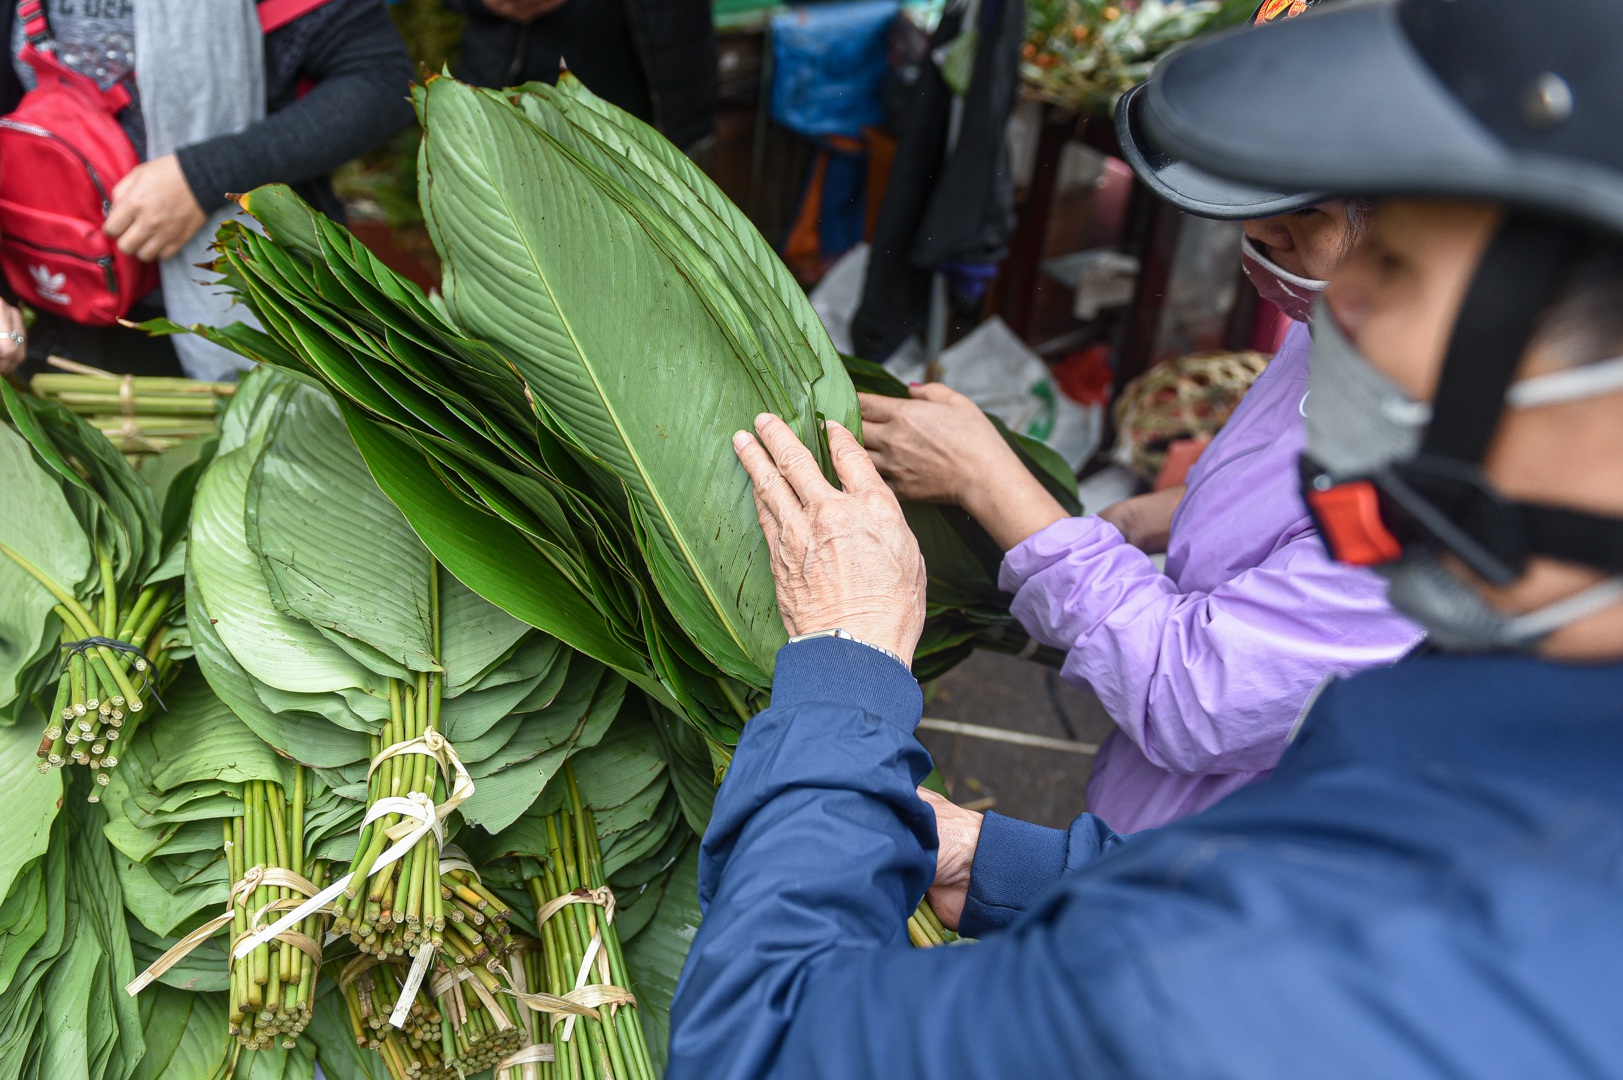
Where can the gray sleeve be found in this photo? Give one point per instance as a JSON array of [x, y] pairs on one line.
[[361, 96]]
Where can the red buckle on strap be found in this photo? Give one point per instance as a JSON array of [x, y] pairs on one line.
[[31, 14], [1349, 516]]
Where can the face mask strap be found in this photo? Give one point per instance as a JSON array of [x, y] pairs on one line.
[[1574, 384], [1540, 624], [1249, 250]]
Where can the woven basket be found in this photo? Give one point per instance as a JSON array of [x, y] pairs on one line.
[[1188, 398]]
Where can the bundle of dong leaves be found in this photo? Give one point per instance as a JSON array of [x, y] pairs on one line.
[[561, 888], [454, 626], [557, 428]]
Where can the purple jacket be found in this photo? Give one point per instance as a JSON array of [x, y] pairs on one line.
[[1205, 668]]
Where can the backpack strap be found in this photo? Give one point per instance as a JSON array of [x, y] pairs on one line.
[[275, 14], [31, 14]]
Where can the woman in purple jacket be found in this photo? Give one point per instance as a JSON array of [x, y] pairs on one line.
[[1206, 667]]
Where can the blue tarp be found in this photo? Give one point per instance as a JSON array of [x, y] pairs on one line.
[[829, 66]]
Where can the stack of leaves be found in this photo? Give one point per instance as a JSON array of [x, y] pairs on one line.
[[90, 568], [617, 523], [64, 951], [527, 429], [183, 1042], [315, 606], [141, 415], [333, 634], [179, 789]]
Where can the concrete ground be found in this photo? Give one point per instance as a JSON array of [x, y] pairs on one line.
[[1042, 784]]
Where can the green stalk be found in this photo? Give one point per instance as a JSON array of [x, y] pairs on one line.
[[136, 613], [239, 919], [109, 594]]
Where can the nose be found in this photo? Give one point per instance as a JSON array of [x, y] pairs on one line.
[[1271, 233]]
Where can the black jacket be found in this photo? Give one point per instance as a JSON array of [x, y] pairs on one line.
[[943, 208], [360, 79], [654, 58]]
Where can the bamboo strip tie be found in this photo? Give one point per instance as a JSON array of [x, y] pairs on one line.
[[586, 998], [419, 816], [253, 878]]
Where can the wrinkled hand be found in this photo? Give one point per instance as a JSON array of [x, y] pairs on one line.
[[841, 559], [940, 447], [11, 350], [1146, 520], [154, 212], [959, 833], [523, 11]]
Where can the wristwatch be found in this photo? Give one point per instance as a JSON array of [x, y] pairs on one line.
[[844, 635]]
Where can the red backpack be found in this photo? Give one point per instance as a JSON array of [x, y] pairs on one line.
[[62, 152]]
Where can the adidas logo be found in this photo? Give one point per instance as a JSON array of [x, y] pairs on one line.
[[49, 285]]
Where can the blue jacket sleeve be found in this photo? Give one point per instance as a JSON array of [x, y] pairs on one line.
[[1016, 862], [818, 851]]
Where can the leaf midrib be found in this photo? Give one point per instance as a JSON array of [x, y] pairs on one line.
[[608, 406]]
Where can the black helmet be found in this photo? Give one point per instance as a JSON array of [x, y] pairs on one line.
[[1515, 102], [1506, 101], [1195, 190]]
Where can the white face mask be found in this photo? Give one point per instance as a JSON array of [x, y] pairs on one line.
[[1291, 293], [1360, 421]]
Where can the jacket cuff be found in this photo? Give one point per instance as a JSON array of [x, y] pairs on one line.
[[1015, 862], [199, 165], [1053, 544], [837, 672]]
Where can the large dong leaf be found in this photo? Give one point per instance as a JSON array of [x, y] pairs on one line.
[[31, 803], [276, 649], [633, 360], [35, 522], [656, 955], [334, 550], [668, 178], [482, 551]]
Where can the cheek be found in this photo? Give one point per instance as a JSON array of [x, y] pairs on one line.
[[1322, 249], [1534, 454]]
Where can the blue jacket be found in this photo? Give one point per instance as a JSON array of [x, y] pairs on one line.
[[1431, 885]]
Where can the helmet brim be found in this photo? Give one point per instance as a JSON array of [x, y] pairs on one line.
[[1189, 188], [1340, 101]]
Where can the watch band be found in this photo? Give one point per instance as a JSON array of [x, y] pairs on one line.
[[844, 635]]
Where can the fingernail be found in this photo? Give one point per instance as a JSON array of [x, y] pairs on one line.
[[913, 384], [741, 439]]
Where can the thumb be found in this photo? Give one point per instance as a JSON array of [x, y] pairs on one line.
[[851, 462], [940, 393]]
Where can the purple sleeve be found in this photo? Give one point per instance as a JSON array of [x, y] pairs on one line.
[[1202, 682]]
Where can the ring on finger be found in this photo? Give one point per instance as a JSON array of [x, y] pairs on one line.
[[17, 336]]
